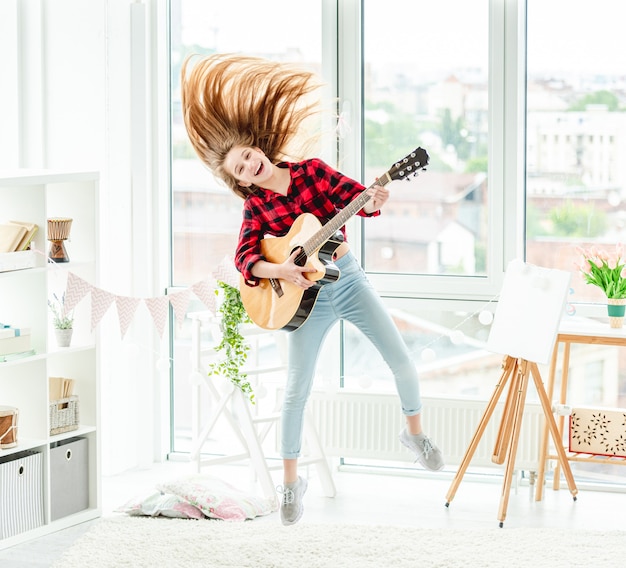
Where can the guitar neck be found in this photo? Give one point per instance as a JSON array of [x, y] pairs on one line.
[[339, 220]]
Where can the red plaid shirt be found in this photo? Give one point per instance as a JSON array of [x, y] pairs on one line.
[[315, 188]]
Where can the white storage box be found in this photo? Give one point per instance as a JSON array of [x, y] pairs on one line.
[[21, 493]]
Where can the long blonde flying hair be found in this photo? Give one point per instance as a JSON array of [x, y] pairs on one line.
[[235, 100]]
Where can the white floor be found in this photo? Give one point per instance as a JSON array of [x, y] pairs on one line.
[[416, 499]]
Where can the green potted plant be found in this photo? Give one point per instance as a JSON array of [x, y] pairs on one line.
[[607, 271], [233, 346], [62, 322]]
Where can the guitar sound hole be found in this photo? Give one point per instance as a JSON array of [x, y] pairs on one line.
[[301, 258]]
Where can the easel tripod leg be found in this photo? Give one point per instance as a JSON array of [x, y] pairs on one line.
[[503, 438], [543, 446], [509, 365], [513, 419], [556, 437]]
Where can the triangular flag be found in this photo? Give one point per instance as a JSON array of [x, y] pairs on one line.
[[75, 291], [158, 308], [206, 294], [179, 301], [100, 303], [226, 272], [126, 308]]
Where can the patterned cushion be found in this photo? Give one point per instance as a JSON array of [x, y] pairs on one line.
[[217, 499], [160, 504]]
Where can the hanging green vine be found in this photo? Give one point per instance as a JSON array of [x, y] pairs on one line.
[[233, 345]]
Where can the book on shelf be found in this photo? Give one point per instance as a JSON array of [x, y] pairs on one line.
[[11, 236], [31, 229], [16, 235], [60, 388]]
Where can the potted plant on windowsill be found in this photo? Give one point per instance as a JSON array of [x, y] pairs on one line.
[[62, 322], [607, 271], [233, 346]]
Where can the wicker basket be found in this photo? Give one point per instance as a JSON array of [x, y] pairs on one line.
[[64, 415]]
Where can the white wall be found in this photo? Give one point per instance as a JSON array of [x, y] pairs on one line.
[[78, 93]]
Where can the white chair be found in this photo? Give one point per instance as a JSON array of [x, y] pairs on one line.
[[229, 405]]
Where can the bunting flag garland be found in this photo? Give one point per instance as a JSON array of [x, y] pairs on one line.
[[77, 289], [226, 272], [179, 301], [206, 294], [126, 308], [101, 300], [158, 309]]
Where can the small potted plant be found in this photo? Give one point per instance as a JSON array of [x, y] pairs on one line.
[[63, 322], [607, 271]]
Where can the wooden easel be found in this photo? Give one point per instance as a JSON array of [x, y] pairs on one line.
[[518, 371]]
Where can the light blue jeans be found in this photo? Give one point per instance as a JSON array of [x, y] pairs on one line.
[[353, 299]]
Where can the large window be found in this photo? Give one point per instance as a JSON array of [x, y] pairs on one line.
[[525, 125], [426, 84], [421, 86], [575, 173]]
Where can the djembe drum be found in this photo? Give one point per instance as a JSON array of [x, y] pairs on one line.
[[58, 233], [8, 427]]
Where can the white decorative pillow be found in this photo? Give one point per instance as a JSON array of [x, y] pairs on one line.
[[165, 505], [217, 499]]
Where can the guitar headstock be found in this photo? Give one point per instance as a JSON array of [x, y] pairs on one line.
[[410, 165]]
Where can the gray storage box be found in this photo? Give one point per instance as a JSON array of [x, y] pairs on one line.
[[69, 477], [21, 493]]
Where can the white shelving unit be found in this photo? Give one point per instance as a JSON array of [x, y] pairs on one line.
[[35, 196]]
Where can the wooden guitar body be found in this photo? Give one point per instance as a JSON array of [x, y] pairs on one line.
[[289, 307]]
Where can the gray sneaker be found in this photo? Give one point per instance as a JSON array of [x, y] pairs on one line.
[[427, 453], [291, 507]]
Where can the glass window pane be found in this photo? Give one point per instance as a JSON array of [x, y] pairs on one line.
[[576, 135], [426, 84], [447, 346], [575, 174], [205, 215]]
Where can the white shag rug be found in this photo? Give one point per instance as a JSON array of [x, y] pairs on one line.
[[149, 542]]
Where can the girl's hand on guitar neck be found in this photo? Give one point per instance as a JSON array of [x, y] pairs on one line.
[[378, 197]]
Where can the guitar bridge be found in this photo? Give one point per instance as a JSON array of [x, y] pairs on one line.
[[275, 284]]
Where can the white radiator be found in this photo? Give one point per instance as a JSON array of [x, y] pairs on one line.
[[366, 425]]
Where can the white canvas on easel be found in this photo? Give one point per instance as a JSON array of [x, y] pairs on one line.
[[530, 307]]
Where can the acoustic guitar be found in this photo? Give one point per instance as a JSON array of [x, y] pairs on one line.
[[278, 304]]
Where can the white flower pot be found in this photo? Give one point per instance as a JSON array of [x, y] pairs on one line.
[[63, 337]]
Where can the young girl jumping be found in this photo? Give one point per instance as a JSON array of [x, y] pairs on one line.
[[243, 116]]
